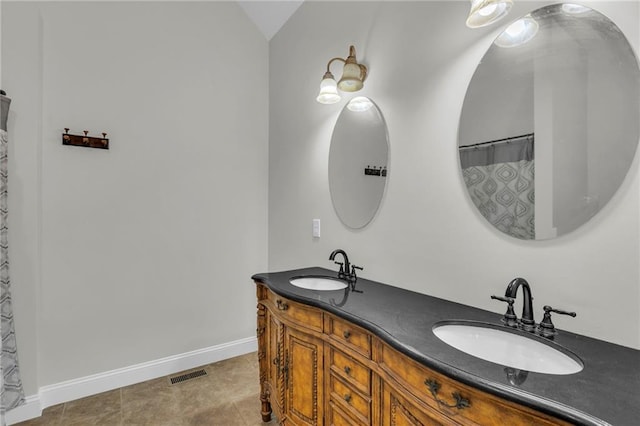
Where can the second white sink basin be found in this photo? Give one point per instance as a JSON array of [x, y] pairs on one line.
[[318, 283], [497, 344]]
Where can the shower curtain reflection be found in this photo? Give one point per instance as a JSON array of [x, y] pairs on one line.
[[500, 178]]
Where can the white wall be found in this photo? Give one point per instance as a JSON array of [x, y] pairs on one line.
[[427, 236], [146, 250]]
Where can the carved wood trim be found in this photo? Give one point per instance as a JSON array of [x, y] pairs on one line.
[[395, 404], [314, 350]]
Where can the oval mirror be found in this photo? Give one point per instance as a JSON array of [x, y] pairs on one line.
[[549, 125], [358, 162]]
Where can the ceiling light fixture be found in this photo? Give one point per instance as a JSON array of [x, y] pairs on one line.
[[485, 12], [353, 76]]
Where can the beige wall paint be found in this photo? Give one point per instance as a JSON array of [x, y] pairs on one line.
[[144, 251], [427, 235]]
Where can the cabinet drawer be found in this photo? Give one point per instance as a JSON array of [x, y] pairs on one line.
[[482, 409], [337, 417], [302, 315], [350, 335], [350, 399], [353, 372]]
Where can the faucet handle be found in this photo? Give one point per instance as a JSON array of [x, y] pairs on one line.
[[546, 327], [353, 275], [548, 308], [341, 272], [353, 278], [509, 300], [510, 318]]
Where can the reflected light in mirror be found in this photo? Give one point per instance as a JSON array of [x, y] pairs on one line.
[[575, 8], [359, 104], [485, 12], [518, 33]]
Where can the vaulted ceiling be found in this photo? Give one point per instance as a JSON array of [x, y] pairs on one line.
[[268, 15]]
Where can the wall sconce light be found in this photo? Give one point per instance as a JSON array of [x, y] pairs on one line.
[[353, 76], [485, 12]]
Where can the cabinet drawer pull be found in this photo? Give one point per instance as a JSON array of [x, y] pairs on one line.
[[460, 402], [346, 334], [347, 397], [281, 305], [347, 370]]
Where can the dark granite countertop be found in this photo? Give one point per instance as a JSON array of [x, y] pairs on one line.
[[606, 391]]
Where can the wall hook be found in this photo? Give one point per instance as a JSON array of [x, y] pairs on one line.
[[86, 140]]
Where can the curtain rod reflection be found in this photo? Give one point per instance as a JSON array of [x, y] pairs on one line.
[[507, 140]]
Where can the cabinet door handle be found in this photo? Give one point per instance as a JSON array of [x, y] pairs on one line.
[[460, 402], [347, 398], [281, 305], [276, 361], [346, 334], [347, 370]]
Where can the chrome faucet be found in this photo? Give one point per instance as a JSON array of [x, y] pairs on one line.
[[526, 321], [347, 270]]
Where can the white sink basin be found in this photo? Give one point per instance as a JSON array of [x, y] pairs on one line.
[[318, 283], [496, 344]]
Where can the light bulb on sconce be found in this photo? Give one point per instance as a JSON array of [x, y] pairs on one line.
[[328, 90], [352, 79], [485, 12]]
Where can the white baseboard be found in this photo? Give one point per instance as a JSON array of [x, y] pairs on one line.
[[29, 410], [114, 379]]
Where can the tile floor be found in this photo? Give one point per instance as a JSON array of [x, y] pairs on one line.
[[227, 396]]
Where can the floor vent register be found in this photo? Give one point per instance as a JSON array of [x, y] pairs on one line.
[[187, 376]]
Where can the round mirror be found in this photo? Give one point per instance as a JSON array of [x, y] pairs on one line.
[[549, 125], [358, 162]]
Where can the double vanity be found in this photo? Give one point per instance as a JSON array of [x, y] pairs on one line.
[[358, 352], [544, 142]]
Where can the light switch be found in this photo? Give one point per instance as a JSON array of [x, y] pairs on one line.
[[316, 228]]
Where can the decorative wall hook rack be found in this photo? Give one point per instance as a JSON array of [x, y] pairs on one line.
[[382, 171], [85, 140]]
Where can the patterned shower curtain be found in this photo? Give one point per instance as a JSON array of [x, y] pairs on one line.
[[11, 392], [500, 178]]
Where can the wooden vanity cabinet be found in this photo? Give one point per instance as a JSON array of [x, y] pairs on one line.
[[400, 410], [274, 377], [303, 378], [319, 369], [291, 359]]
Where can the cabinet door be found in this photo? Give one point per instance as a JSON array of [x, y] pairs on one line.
[[275, 361], [303, 378], [398, 410]]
